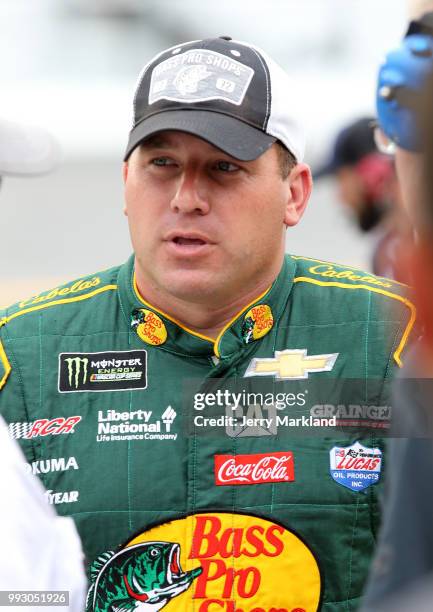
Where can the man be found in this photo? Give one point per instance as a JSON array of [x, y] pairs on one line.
[[368, 188], [41, 551], [400, 82], [363, 176], [171, 388], [404, 555]]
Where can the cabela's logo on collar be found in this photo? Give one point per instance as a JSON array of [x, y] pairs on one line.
[[291, 364], [149, 327], [233, 563], [328, 271], [257, 323], [79, 285]]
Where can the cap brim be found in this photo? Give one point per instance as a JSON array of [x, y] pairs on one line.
[[26, 150], [237, 139]]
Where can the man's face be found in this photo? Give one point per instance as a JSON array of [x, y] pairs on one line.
[[206, 227], [351, 191]]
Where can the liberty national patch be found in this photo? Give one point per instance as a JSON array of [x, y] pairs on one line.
[[355, 467]]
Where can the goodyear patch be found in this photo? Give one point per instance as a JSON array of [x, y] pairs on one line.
[[356, 467]]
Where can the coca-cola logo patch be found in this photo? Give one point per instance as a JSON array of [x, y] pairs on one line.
[[254, 469]]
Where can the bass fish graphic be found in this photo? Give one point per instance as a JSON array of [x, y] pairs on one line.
[[145, 576], [248, 329], [189, 77]]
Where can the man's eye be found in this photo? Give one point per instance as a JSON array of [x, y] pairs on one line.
[[162, 161], [226, 166]]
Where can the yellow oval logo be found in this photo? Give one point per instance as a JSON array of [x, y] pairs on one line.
[[257, 323], [149, 327], [211, 562]]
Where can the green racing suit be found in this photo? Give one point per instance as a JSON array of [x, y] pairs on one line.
[[187, 494]]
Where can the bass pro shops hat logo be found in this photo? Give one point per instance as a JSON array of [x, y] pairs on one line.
[[233, 563], [199, 75]]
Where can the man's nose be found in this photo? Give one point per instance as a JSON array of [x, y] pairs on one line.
[[190, 195]]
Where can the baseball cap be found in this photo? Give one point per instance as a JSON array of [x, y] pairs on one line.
[[26, 150], [226, 92], [353, 142]]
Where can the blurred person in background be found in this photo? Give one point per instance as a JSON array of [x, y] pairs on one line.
[[117, 369], [400, 83], [40, 550], [368, 188], [405, 552]]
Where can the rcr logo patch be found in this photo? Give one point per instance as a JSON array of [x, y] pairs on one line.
[[105, 371], [43, 427]]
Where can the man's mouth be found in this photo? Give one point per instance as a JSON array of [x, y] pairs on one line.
[[188, 241], [188, 244]]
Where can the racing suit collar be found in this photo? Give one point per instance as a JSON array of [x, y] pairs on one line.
[[248, 327]]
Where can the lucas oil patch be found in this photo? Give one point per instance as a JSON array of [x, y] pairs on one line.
[[355, 467], [149, 327], [104, 371], [209, 562], [199, 75], [257, 323]]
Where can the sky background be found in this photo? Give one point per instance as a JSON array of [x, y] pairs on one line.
[[71, 67]]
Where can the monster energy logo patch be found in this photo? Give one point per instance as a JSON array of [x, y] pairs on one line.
[[105, 371]]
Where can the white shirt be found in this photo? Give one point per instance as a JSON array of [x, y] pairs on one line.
[[39, 550]]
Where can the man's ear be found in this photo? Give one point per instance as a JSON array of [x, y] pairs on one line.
[[301, 184], [125, 170]]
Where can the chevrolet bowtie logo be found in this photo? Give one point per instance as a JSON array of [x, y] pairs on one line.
[[291, 365]]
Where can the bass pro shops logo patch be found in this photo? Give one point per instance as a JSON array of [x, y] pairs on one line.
[[105, 371], [232, 563]]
